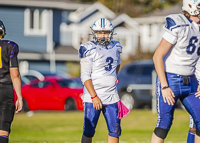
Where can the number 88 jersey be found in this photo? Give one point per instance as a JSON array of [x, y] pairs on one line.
[[184, 34], [99, 64]]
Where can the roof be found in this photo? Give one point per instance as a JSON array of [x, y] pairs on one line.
[[83, 13], [124, 18], [57, 4], [62, 53], [65, 50], [158, 16], [150, 19]]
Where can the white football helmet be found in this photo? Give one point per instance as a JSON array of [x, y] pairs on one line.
[[102, 25], [191, 6]]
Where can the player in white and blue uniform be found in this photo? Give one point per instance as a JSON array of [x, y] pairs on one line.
[[175, 59], [100, 61], [192, 131]]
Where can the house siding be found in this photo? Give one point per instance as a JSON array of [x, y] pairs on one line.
[[13, 19]]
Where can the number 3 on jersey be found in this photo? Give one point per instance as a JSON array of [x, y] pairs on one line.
[[1, 65], [191, 47], [109, 60]]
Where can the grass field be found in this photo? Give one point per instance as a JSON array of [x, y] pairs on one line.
[[66, 127]]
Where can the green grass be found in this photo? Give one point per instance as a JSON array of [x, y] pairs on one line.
[[66, 127]]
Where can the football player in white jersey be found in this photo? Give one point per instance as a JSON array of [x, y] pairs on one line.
[[100, 62], [175, 59], [192, 130]]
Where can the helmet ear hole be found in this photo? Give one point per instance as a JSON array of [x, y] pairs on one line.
[[2, 30], [2, 33]]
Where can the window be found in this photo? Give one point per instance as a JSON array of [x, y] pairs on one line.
[[131, 70], [42, 84], [146, 70], [69, 83], [35, 22]]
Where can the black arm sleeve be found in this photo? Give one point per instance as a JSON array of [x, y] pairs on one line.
[[13, 62]]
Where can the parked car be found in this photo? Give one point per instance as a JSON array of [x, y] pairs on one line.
[[33, 74], [53, 93], [133, 79], [135, 84], [24, 80]]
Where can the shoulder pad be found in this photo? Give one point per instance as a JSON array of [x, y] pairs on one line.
[[118, 46], [15, 48], [175, 21], [86, 49]]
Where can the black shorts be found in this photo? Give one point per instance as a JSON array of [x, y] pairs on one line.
[[7, 107]]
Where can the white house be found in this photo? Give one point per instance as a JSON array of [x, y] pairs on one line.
[[127, 34], [126, 28], [142, 32], [151, 27], [82, 20], [151, 31]]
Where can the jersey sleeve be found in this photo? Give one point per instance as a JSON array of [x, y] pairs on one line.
[[119, 47], [86, 68], [86, 53], [169, 37], [173, 25], [86, 50], [13, 51]]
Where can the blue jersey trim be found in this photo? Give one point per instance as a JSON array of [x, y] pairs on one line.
[[89, 50], [82, 51], [179, 26], [111, 45], [169, 23], [188, 19]]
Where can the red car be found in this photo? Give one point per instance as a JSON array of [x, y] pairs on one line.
[[53, 93]]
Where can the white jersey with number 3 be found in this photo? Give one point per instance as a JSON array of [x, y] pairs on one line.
[[99, 64], [184, 34]]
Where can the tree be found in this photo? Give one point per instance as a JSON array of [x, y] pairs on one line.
[[135, 8]]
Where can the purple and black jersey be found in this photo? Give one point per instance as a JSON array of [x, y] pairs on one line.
[[8, 59]]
